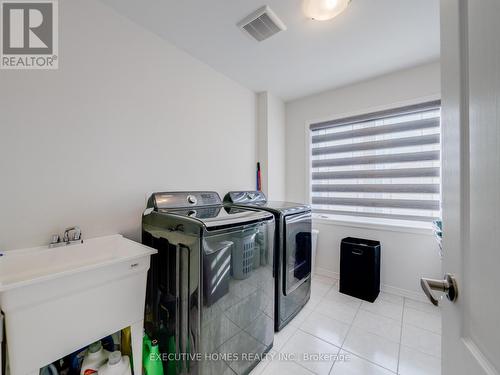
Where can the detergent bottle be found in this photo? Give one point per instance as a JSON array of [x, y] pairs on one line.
[[96, 356], [150, 356], [116, 365]]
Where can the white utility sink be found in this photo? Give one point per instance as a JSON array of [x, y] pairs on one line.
[[58, 300]]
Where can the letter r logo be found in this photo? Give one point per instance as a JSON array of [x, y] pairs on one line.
[[27, 28]]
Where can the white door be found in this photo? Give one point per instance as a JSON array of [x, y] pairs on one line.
[[470, 57]]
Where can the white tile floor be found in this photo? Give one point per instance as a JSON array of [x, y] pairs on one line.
[[394, 335]]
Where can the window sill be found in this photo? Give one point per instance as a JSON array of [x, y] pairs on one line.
[[378, 224]]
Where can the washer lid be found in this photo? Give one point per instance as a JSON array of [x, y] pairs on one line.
[[257, 199], [282, 208], [285, 206], [220, 216]]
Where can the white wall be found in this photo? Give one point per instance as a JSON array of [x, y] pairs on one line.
[[406, 255], [271, 144], [262, 139], [126, 114], [276, 147]]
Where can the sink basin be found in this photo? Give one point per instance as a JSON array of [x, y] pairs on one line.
[[27, 266], [58, 300]]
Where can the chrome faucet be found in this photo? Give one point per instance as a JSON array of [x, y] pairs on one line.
[[77, 234], [72, 235]]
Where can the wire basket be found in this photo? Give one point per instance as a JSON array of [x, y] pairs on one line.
[[243, 254]]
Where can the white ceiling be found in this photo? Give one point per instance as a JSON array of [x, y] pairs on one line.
[[371, 38]]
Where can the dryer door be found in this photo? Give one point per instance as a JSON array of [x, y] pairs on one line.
[[297, 250]]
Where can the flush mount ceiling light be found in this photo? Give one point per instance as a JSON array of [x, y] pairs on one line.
[[322, 10]]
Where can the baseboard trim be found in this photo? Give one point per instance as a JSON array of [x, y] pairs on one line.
[[417, 296]]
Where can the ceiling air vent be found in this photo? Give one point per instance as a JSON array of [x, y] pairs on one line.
[[262, 24]]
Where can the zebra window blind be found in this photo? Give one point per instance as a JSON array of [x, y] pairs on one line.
[[382, 165]]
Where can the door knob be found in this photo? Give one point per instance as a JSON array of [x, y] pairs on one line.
[[448, 286]]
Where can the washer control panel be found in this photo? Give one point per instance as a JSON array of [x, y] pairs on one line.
[[245, 197], [171, 200], [191, 199]]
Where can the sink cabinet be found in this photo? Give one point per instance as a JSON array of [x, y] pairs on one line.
[[54, 309]]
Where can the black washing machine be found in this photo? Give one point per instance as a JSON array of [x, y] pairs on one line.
[[293, 246], [210, 286]]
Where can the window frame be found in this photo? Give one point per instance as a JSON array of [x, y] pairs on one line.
[[358, 222]]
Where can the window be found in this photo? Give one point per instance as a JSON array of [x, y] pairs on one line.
[[384, 165]]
